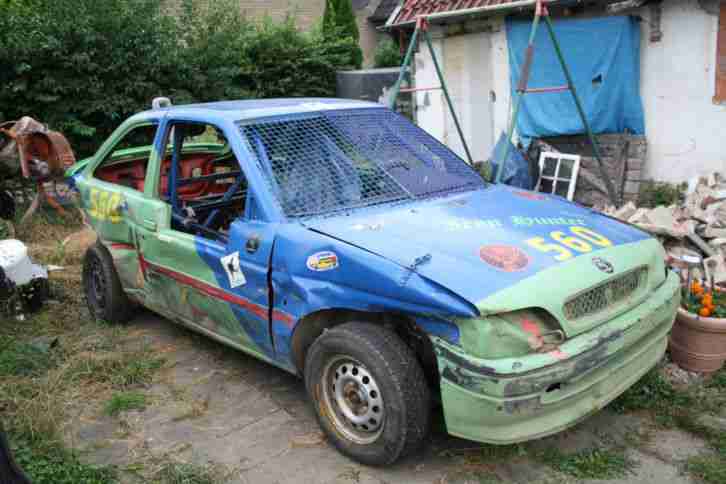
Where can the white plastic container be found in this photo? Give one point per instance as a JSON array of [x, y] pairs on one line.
[[17, 265]]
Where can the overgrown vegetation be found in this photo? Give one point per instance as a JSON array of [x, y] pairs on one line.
[[58, 360], [387, 54], [653, 193], [591, 463], [82, 66], [48, 462], [684, 408]]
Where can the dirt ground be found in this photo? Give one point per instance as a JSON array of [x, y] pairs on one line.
[[211, 407]]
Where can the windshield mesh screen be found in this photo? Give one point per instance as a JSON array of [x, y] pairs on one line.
[[319, 163]]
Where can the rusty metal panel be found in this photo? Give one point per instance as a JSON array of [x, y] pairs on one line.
[[29, 147]]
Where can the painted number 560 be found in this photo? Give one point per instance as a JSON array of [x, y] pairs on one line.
[[563, 244]]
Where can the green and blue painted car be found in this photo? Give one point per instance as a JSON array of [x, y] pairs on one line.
[[339, 242]]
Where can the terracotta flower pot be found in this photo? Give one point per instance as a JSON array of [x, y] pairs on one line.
[[698, 343]]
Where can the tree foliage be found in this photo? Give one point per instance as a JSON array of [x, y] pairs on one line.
[[339, 22], [387, 54], [83, 66]]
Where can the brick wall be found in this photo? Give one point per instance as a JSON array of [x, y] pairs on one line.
[[624, 169], [307, 12]]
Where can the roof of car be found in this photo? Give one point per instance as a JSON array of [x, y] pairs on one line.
[[258, 108]]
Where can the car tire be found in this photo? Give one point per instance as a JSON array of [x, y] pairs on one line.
[[369, 392], [104, 294]]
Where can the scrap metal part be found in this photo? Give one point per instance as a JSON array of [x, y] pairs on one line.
[[36, 152], [23, 284]]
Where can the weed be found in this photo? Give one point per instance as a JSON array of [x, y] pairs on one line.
[[47, 462], [120, 370], [655, 394], [653, 194], [121, 402], [185, 473], [22, 359], [710, 469], [590, 464]]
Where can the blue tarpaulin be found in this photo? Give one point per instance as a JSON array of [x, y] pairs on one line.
[[603, 55], [516, 169]]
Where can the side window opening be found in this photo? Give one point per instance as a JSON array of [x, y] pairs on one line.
[[127, 162], [202, 180]]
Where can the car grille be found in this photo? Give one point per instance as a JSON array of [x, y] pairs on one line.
[[606, 295]]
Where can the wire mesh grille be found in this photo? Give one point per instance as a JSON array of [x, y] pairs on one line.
[[325, 162], [605, 295]]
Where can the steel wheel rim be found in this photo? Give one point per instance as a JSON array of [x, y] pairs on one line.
[[354, 400]]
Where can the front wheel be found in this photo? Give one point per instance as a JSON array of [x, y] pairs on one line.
[[105, 296], [369, 392]]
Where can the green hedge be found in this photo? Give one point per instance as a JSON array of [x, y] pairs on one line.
[[83, 66]]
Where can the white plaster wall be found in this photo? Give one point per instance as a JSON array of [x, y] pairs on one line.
[[430, 104], [466, 61], [686, 131]]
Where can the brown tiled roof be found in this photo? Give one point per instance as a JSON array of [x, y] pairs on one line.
[[414, 8]]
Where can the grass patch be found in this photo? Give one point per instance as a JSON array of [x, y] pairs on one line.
[[184, 473], [22, 359], [122, 402], [590, 464], [119, 370], [654, 394], [710, 469], [48, 462]]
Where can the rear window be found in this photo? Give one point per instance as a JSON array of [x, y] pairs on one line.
[[325, 162]]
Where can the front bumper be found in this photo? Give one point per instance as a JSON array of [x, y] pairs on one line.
[[502, 401]]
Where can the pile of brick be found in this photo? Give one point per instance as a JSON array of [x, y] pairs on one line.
[[696, 227]]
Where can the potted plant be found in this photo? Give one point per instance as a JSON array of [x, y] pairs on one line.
[[698, 339]]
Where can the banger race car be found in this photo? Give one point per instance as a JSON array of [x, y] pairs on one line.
[[338, 241]]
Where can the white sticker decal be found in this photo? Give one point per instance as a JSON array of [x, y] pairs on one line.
[[234, 271], [323, 261]]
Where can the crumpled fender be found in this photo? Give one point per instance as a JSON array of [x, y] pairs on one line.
[[356, 280]]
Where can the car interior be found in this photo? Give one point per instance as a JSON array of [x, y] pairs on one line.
[[207, 191]]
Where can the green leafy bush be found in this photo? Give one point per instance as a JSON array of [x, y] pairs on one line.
[[83, 66], [387, 54]]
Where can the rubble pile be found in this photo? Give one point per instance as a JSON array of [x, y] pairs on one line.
[[695, 227]]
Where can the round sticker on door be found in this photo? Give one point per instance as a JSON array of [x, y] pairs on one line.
[[504, 257], [323, 261]]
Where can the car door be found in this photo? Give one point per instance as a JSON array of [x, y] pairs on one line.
[[212, 279], [113, 196]]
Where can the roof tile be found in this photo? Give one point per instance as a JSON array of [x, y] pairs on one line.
[[415, 8]]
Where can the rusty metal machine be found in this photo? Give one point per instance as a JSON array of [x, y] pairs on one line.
[[30, 150]]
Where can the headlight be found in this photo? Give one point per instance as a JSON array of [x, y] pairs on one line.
[[512, 334]]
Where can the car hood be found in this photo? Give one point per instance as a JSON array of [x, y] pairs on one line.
[[479, 243]]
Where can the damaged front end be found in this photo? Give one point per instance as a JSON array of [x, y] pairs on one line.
[[529, 372]]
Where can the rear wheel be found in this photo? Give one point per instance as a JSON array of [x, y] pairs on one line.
[[369, 392], [104, 294]]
